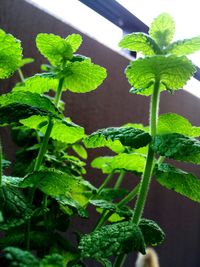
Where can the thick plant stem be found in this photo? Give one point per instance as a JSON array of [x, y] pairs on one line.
[[40, 157], [146, 177]]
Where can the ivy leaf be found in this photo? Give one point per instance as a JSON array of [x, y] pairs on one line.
[[179, 181], [84, 76], [10, 54], [59, 184], [162, 29], [174, 123], [74, 40], [52, 260], [153, 234], [19, 257], [172, 71], [140, 42], [112, 239], [56, 49], [128, 136], [175, 145], [30, 99], [14, 207], [130, 162], [184, 47], [38, 83], [62, 130]]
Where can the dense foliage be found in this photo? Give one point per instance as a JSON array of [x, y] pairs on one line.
[[48, 185]]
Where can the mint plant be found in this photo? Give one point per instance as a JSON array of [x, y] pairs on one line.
[[48, 189]]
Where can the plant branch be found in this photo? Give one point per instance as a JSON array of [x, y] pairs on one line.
[[146, 177]]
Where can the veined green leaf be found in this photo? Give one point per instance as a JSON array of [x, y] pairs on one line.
[[32, 99], [74, 40], [14, 207], [130, 162], [128, 136], [175, 145], [63, 130], [172, 71], [140, 42], [38, 83], [84, 76], [67, 200], [179, 181], [55, 184], [52, 260], [124, 211], [16, 111], [162, 29], [19, 257], [174, 123], [184, 47], [56, 49], [10, 54], [112, 239], [153, 234]]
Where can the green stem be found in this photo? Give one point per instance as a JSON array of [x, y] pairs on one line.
[[119, 262], [119, 180], [40, 157], [21, 75], [146, 177], [106, 214], [106, 181]]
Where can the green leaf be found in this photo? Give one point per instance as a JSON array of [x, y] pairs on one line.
[[174, 123], [130, 162], [54, 48], [14, 207], [20, 258], [140, 42], [106, 205], [113, 239], [112, 193], [62, 130], [175, 145], [162, 29], [153, 234], [10, 54], [80, 150], [84, 76], [184, 47], [67, 200], [31, 99], [74, 40], [55, 183], [179, 181], [26, 61], [53, 260], [11, 181], [128, 136], [38, 83], [172, 71]]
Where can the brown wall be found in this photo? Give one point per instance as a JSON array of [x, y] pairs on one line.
[[112, 105]]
